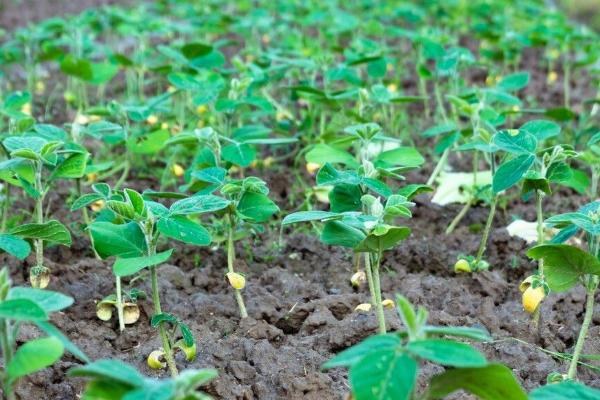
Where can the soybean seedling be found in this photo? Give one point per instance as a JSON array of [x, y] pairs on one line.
[[19, 306], [249, 206], [119, 380], [387, 365], [132, 236], [38, 159], [565, 266]]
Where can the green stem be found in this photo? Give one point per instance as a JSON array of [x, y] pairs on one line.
[[123, 176], [459, 216], [567, 85], [157, 308], [439, 167], [486, 232], [540, 226], [377, 287], [370, 280], [230, 262], [7, 353], [120, 304], [587, 319]]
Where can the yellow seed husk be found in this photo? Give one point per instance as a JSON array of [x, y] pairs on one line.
[[532, 298], [41, 280], [523, 286], [388, 303], [462, 265], [358, 278], [97, 205], [155, 360], [131, 313], [152, 119], [237, 281], [177, 170], [188, 351], [392, 87], [311, 167], [363, 308], [552, 77], [201, 109]]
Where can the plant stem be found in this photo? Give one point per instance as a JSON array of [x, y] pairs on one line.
[[486, 231], [439, 167], [377, 287], [7, 352], [587, 319], [39, 219], [459, 217], [230, 260], [156, 301], [540, 226], [567, 84], [5, 206], [120, 304]]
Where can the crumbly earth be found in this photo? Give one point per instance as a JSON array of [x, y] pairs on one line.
[[298, 293]]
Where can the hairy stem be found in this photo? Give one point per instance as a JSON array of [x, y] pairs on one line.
[[486, 231], [441, 164], [230, 262], [120, 304], [459, 216], [377, 287], [540, 226], [587, 319]]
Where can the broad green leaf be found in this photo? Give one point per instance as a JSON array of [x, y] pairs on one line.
[[401, 156], [478, 334], [72, 167], [440, 129], [51, 330], [77, 67], [111, 370], [130, 266], [34, 356], [305, 216], [378, 242], [514, 82], [354, 354], [511, 172], [14, 246], [567, 390], [541, 129], [239, 154], [383, 375], [22, 310], [105, 390], [447, 352], [564, 264], [520, 143], [150, 143], [48, 300], [198, 204], [491, 382], [126, 240], [256, 207], [51, 231], [32, 143], [85, 200], [180, 228], [337, 233], [344, 198], [323, 153], [328, 175]]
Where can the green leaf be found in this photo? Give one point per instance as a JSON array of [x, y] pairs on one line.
[[77, 67], [491, 382], [34, 356], [564, 264], [337, 233], [51, 231], [111, 370], [198, 204], [323, 153], [72, 167], [383, 375], [150, 143], [401, 156], [514, 82], [48, 300], [130, 266], [305, 216], [22, 310], [126, 240], [239, 154], [511, 172], [51, 330], [447, 352], [180, 228], [354, 354], [440, 129], [378, 242], [328, 175], [14, 246], [541, 129], [256, 207], [85, 201], [521, 143], [478, 334], [567, 390]]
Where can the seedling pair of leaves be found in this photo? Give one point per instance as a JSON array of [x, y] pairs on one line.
[[116, 380], [565, 265], [386, 366], [36, 161], [21, 305]]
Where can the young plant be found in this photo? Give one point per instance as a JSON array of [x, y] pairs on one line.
[[131, 232], [386, 366], [38, 160], [19, 306], [116, 380], [565, 266]]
